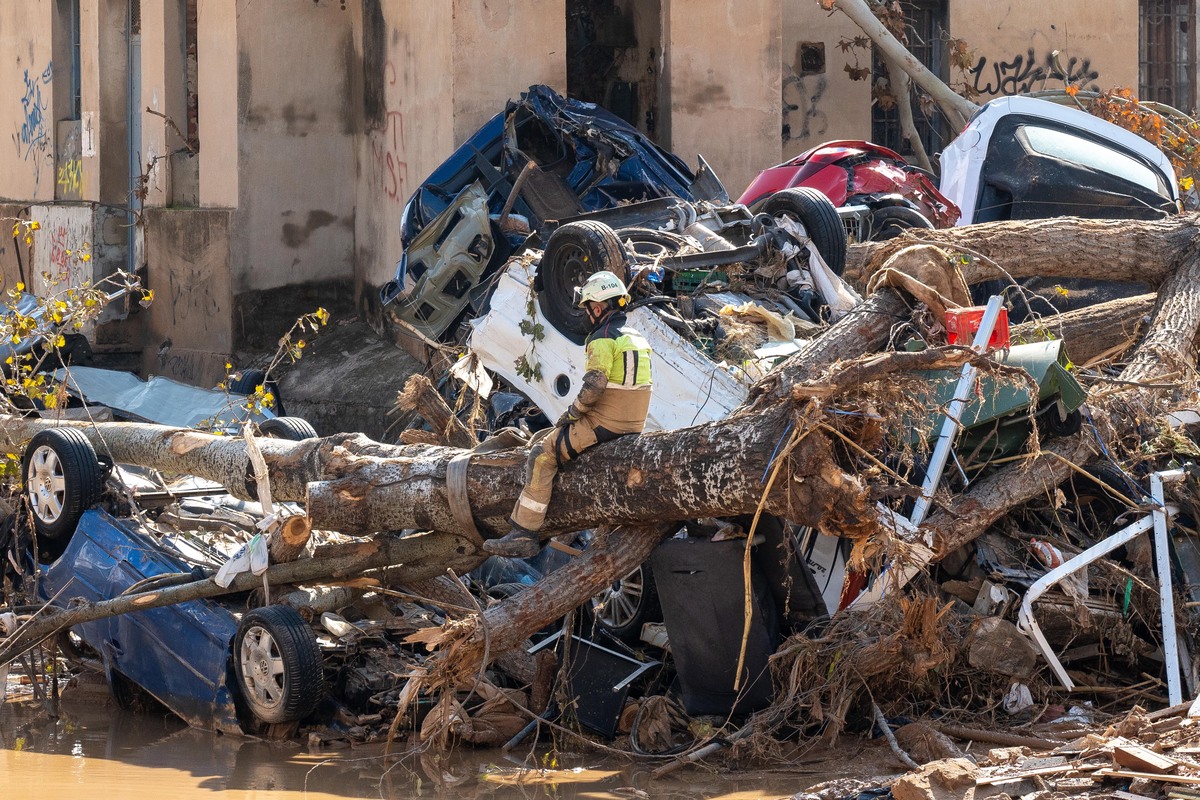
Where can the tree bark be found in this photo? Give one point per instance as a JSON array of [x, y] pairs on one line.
[[613, 554], [957, 109], [1103, 329], [421, 396], [412, 558], [901, 91], [1145, 251]]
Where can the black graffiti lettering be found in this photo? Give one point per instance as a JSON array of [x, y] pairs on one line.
[[1024, 74]]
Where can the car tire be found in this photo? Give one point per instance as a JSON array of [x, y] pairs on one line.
[[63, 478], [251, 379], [627, 604], [891, 221], [293, 429], [277, 664], [574, 252], [817, 214]]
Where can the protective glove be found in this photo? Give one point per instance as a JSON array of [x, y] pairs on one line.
[[569, 416]]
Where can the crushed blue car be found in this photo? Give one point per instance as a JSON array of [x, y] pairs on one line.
[[238, 663], [545, 157]]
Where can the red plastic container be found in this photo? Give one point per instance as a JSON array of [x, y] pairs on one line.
[[963, 323]]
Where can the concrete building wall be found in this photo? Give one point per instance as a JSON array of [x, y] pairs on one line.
[[295, 146], [218, 88], [27, 103], [155, 90], [721, 78], [501, 48], [407, 78], [188, 259], [819, 100], [1013, 41], [89, 102]]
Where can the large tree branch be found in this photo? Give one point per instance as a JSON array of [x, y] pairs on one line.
[[956, 108]]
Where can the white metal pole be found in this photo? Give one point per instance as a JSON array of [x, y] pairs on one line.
[[966, 383], [1166, 594]]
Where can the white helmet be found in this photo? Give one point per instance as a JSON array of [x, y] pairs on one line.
[[601, 287]]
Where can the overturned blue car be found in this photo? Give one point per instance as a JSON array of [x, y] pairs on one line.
[[545, 157]]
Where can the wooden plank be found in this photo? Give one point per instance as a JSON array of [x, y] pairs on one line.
[[1121, 794], [1190, 780], [1058, 769], [1143, 759]]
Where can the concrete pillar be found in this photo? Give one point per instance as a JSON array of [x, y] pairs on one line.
[[408, 121], [155, 166], [722, 85], [89, 96], [527, 37], [217, 85], [111, 120]]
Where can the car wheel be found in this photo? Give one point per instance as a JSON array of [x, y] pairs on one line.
[[291, 428], [817, 214], [251, 379], [891, 221], [63, 478], [576, 251], [278, 664], [625, 605]]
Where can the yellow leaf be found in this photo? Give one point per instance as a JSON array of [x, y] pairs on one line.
[[35, 226]]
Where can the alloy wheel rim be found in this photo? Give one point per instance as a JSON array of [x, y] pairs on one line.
[[47, 484], [262, 667]]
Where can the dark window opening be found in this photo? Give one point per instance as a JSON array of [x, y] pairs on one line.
[[191, 77], [67, 59], [810, 58], [613, 57], [1166, 43], [928, 28]]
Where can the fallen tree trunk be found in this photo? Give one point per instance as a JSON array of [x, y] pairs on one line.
[[414, 557], [1063, 247], [633, 480], [463, 652]]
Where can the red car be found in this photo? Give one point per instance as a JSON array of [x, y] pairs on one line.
[[878, 193]]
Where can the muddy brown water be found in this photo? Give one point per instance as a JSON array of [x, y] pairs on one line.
[[95, 751]]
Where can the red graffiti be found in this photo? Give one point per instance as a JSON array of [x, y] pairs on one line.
[[389, 151], [60, 254]]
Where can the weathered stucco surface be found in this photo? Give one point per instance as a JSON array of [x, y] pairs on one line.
[[26, 101], [409, 121], [296, 151], [723, 86], [819, 106], [189, 326], [500, 48], [1013, 41]]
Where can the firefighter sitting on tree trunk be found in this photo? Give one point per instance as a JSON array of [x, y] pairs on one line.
[[613, 401]]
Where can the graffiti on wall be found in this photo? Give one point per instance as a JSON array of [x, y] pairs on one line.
[[1025, 72], [32, 138], [69, 175], [388, 149], [66, 232], [802, 114]]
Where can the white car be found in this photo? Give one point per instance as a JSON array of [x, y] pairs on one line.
[[1025, 158]]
